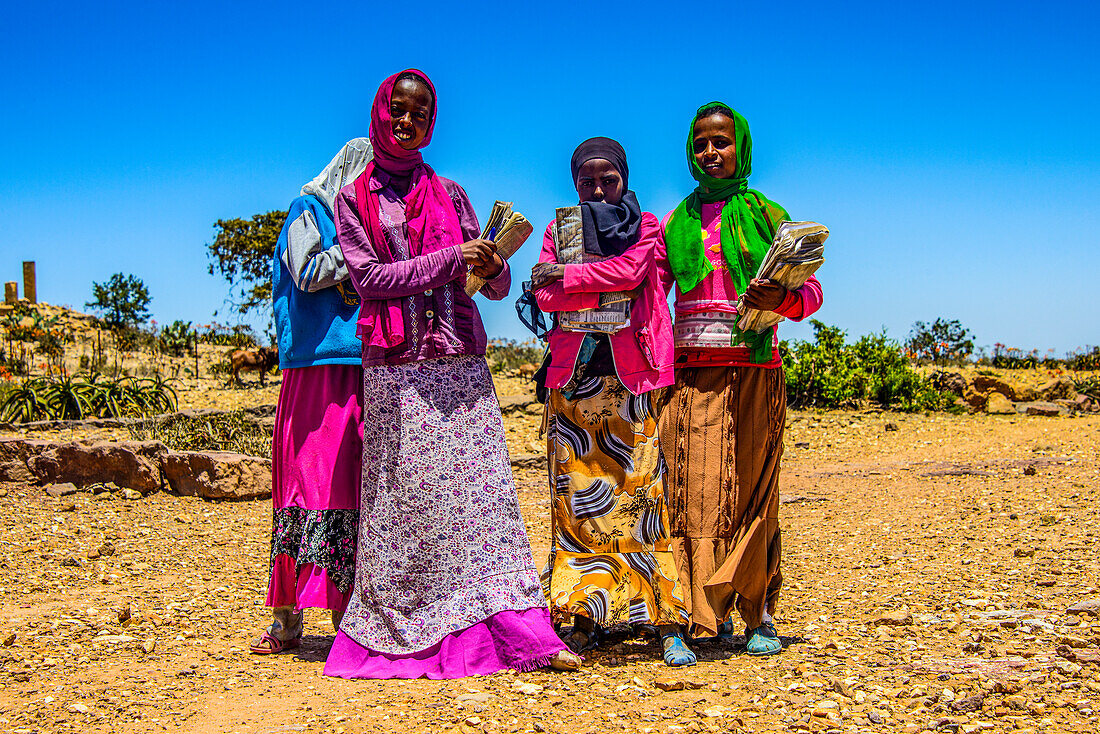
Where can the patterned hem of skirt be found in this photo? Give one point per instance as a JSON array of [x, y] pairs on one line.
[[324, 538]]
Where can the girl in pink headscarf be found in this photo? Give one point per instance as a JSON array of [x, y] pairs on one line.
[[444, 581]]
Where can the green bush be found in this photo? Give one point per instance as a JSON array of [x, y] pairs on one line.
[[70, 398], [829, 373], [234, 431], [177, 338], [1087, 360], [505, 355]]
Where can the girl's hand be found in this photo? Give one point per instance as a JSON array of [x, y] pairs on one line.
[[490, 270], [543, 274], [478, 253], [764, 295]]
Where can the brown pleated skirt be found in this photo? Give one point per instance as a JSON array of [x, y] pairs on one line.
[[721, 434]]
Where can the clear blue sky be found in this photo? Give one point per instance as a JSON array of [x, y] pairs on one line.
[[951, 148]]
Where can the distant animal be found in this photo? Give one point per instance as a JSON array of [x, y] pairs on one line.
[[527, 370], [262, 359]]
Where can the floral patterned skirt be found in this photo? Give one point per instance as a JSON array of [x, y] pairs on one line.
[[610, 558], [442, 547]]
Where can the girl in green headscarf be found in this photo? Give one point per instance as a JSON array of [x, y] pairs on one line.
[[722, 427]]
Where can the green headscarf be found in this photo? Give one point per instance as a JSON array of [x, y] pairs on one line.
[[749, 221]]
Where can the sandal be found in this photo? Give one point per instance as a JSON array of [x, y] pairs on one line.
[[725, 631], [566, 660], [763, 640], [677, 653], [269, 644]]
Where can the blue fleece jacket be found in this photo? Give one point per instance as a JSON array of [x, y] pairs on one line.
[[316, 307]]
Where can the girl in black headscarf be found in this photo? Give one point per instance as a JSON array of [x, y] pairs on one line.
[[610, 560]]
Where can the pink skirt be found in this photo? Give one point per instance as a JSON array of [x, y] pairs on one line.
[[316, 454], [520, 641]]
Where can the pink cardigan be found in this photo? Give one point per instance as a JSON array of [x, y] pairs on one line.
[[643, 350]]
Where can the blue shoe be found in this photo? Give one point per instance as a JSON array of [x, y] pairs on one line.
[[725, 631], [677, 653], [763, 640]]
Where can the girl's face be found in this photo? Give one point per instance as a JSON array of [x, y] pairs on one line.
[[714, 146], [410, 112], [598, 180]]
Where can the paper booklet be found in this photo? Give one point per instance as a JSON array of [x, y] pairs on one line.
[[613, 313], [797, 251], [509, 230]]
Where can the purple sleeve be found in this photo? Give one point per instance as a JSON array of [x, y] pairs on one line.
[[376, 280]]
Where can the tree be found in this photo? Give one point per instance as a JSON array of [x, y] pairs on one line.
[[941, 342], [241, 252], [123, 300]]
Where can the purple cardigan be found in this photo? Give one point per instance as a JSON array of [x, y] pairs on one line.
[[440, 319]]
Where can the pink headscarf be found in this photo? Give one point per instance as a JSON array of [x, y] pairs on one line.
[[429, 212]]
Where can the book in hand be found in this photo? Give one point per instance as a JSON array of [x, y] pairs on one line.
[[508, 229], [613, 312], [797, 251]]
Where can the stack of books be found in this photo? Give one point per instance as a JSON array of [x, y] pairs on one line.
[[797, 251]]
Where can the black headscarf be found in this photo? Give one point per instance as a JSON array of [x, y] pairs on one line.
[[609, 229]]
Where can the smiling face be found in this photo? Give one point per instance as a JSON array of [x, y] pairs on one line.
[[598, 180], [714, 145], [410, 112]]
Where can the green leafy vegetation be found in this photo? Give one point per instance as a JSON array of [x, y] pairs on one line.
[[92, 396], [830, 373], [123, 301], [505, 355], [235, 431], [241, 253], [940, 342]]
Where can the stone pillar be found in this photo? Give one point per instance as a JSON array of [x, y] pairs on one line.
[[30, 291], [11, 292]]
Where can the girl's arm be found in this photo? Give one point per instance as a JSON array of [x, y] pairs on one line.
[[621, 273], [376, 280], [553, 297], [803, 302], [660, 259]]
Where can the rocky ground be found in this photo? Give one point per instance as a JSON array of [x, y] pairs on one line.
[[930, 565]]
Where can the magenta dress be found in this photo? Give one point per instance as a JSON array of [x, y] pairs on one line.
[[315, 468]]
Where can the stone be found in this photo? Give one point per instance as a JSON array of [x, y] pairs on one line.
[[14, 454], [968, 705], [9, 639], [1058, 388], [1011, 390], [1090, 607], [998, 404], [669, 684], [78, 708], [714, 712], [149, 646], [60, 490], [131, 494], [891, 426], [1041, 408], [107, 548], [1030, 470], [529, 461], [894, 619], [951, 382], [529, 689], [184, 519], [134, 464], [218, 475]]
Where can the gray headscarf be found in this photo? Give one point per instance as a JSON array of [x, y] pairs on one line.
[[342, 170]]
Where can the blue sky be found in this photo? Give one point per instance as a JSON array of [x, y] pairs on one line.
[[950, 147]]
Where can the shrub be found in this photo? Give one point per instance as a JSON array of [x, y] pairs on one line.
[[1081, 361], [240, 336], [829, 373], [177, 338], [505, 355], [69, 398], [234, 431], [940, 342]]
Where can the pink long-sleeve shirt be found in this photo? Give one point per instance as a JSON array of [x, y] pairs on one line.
[[440, 319], [642, 351], [716, 292]]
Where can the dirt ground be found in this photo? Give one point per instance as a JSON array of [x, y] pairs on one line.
[[929, 562]]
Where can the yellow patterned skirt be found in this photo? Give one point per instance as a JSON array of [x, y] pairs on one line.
[[610, 557]]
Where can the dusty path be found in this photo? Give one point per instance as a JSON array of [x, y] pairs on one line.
[[938, 525]]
